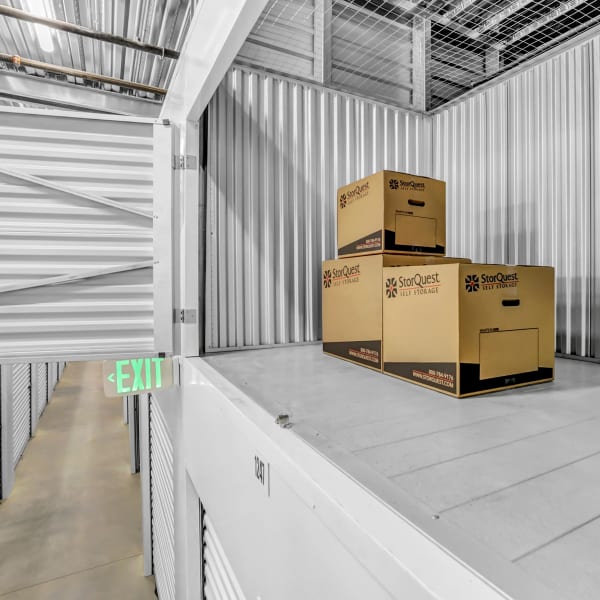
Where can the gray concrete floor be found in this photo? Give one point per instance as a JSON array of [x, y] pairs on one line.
[[72, 527]]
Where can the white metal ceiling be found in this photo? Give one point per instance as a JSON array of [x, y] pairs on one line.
[[418, 54], [160, 22]]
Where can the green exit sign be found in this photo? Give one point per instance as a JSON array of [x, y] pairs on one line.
[[136, 375]]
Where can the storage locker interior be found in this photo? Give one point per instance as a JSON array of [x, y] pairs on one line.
[[271, 470]]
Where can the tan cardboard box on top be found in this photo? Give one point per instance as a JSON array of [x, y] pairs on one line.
[[469, 329], [392, 212], [352, 304]]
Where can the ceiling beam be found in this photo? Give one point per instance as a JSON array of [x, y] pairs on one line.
[[217, 32], [550, 16], [501, 15], [22, 15], [44, 91], [20, 61]]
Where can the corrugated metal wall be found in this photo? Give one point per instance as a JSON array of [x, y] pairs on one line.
[[76, 198], [521, 160], [278, 150]]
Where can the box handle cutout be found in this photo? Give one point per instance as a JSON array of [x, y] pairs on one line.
[[511, 303], [416, 202]]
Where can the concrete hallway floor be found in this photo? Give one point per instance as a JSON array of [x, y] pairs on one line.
[[72, 527]]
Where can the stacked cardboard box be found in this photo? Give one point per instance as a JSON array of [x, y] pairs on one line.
[[395, 303]]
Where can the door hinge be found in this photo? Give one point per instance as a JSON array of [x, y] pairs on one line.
[[184, 161], [184, 315]]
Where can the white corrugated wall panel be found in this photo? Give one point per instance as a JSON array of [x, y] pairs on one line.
[[277, 152], [111, 313], [521, 161], [20, 396], [220, 582], [469, 153], [49, 230], [162, 503], [41, 374]]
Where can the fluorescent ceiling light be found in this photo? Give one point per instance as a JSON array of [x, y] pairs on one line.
[[43, 34]]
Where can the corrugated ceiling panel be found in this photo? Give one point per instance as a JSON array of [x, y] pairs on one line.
[[76, 198], [521, 162], [162, 23], [278, 151]]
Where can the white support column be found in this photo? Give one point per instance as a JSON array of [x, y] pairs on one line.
[[164, 195], [186, 234], [216, 34], [421, 63], [323, 49], [33, 398], [6, 435], [144, 417]]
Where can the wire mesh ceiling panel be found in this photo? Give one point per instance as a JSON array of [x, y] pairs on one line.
[[287, 38], [76, 246], [418, 54], [520, 160], [162, 23], [277, 152], [20, 396]]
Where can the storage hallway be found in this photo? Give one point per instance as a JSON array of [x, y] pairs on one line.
[[72, 526], [300, 299]]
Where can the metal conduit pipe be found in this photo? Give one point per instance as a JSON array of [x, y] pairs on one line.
[[15, 13], [36, 64]]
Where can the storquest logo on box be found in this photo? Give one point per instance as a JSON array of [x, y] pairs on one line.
[[391, 288], [487, 282], [359, 191], [327, 279], [402, 184], [472, 283]]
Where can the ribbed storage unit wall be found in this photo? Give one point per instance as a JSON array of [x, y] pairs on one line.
[[162, 503], [220, 582], [25, 390], [21, 414], [76, 222], [277, 152], [521, 162]]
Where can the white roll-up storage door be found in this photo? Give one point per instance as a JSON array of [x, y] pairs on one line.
[[162, 503], [21, 402], [77, 265], [42, 387], [220, 582]]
